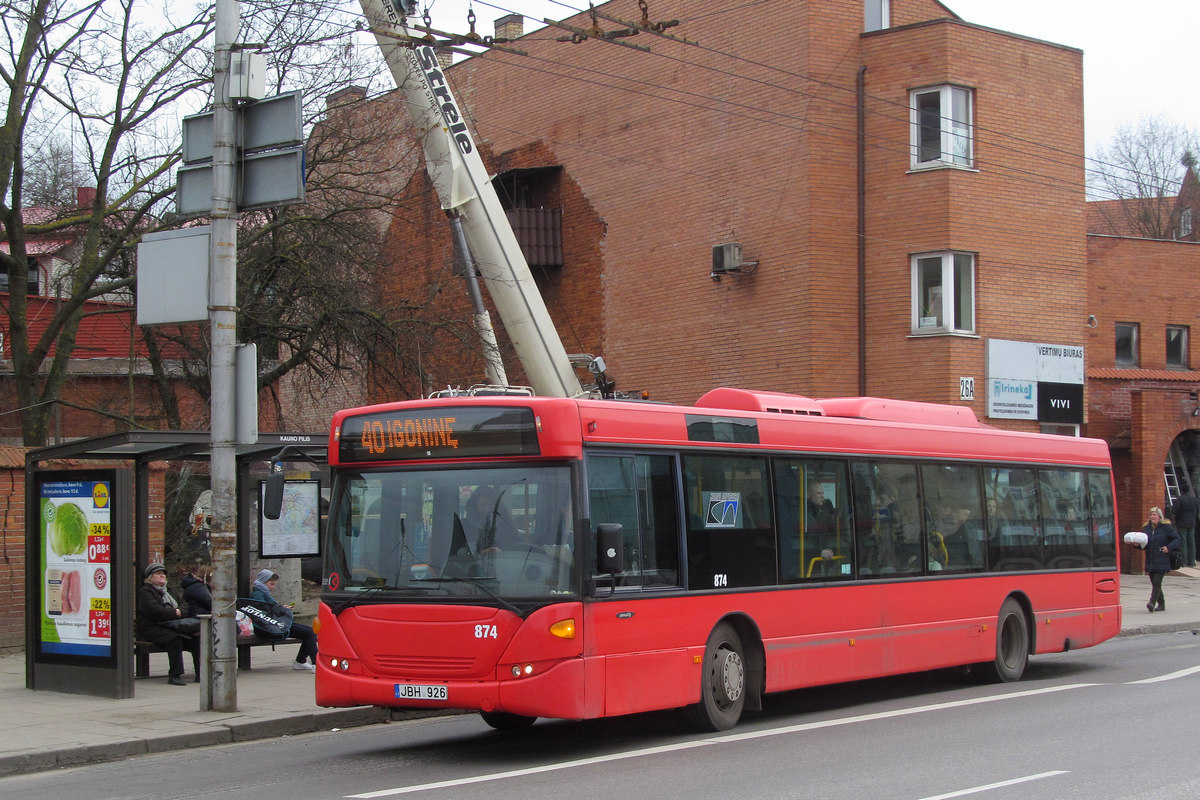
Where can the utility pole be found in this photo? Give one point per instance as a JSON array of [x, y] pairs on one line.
[[222, 315]]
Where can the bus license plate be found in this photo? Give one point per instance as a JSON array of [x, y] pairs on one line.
[[420, 691]]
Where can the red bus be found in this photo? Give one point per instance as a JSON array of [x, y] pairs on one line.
[[573, 558]]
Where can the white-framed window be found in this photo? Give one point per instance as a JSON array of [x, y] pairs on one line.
[[1185, 223], [1059, 429], [1177, 346], [942, 128], [1126, 344], [943, 293], [876, 15], [33, 285]]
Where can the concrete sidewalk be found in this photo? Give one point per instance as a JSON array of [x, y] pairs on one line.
[[45, 730]]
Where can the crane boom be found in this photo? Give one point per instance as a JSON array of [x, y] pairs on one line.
[[466, 192]]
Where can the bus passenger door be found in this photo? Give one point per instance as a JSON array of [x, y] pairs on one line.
[[631, 632]]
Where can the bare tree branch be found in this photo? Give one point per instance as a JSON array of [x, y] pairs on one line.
[[1142, 169]]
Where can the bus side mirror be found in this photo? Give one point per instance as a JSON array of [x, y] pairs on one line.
[[273, 494], [610, 548]]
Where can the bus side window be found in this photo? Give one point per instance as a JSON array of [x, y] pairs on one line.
[[888, 512], [730, 533], [1014, 540], [1103, 525], [812, 515], [955, 538], [638, 492], [1066, 543]]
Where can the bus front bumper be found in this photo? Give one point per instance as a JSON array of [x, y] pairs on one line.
[[552, 691]]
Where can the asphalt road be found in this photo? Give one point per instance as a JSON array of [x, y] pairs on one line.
[[1114, 721]]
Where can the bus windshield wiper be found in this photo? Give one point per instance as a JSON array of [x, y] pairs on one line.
[[353, 600], [477, 583]]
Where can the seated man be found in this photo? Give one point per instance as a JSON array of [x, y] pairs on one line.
[[158, 616]]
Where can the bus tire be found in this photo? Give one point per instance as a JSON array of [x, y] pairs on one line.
[[503, 721], [1012, 645], [722, 683]]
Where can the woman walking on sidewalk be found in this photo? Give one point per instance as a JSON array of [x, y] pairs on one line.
[[1161, 539]]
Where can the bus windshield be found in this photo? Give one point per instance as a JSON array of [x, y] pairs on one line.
[[473, 532]]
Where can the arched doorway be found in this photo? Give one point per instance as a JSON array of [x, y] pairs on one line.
[[1181, 471]]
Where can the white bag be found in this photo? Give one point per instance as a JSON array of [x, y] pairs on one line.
[[1136, 538], [244, 626]]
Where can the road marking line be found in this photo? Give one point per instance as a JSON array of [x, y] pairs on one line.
[[1183, 673], [737, 737], [516, 773], [903, 712], [997, 785]]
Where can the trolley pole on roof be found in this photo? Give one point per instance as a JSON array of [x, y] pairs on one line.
[[222, 313]]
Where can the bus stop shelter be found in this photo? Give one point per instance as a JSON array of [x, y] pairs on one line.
[[113, 554]]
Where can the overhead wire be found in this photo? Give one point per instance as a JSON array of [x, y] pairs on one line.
[[891, 110], [902, 115], [785, 120], [903, 109]]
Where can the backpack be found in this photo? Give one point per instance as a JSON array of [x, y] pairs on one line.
[[270, 620]]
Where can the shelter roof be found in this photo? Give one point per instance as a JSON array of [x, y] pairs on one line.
[[148, 446]]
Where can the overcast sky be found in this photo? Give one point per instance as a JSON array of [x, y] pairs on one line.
[[1137, 56]]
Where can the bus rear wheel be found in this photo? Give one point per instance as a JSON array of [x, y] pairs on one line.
[[503, 721], [1012, 645], [723, 682]]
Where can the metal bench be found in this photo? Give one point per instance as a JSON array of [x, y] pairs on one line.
[[142, 651]]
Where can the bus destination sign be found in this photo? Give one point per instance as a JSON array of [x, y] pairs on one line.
[[444, 432]]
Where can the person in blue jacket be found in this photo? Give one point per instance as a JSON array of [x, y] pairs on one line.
[[264, 586], [1161, 539]]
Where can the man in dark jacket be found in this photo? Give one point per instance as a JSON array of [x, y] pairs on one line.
[[1183, 514], [157, 610]]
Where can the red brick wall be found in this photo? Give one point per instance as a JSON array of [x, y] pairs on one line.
[[1020, 211], [12, 559], [1152, 283], [88, 400], [671, 153], [1140, 411]]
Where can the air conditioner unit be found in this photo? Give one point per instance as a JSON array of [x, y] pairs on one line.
[[726, 258]]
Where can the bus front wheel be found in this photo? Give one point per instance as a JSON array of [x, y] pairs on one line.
[[1012, 645], [722, 683], [503, 721]]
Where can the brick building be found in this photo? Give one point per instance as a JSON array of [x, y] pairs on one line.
[[1142, 379], [965, 222], [907, 191]]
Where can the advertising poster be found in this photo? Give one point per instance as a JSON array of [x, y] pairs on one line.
[[76, 586]]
